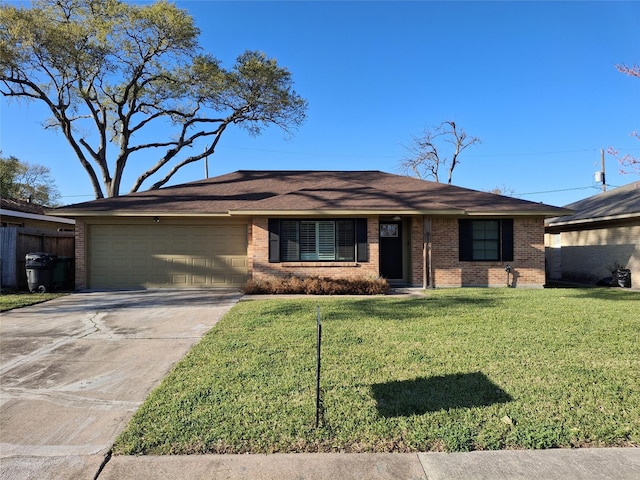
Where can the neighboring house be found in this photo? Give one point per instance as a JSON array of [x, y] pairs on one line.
[[222, 231], [25, 229], [23, 214], [602, 234]]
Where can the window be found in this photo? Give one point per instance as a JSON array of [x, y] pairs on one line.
[[486, 240], [317, 240]]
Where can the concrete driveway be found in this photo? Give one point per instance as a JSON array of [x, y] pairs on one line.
[[75, 369]]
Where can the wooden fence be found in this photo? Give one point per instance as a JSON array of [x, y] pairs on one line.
[[16, 242]]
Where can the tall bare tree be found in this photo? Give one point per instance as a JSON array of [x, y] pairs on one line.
[[123, 78], [628, 163], [437, 147]]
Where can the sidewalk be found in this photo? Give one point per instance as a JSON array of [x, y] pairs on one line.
[[559, 464]]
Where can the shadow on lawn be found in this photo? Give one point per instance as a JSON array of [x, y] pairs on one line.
[[608, 294], [422, 395]]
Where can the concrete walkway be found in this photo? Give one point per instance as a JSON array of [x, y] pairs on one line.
[[75, 369]]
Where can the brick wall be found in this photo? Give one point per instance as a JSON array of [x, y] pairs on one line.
[[417, 251], [80, 254], [448, 271], [261, 268], [528, 263]]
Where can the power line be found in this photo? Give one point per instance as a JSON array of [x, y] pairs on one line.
[[319, 154], [562, 190], [71, 196]]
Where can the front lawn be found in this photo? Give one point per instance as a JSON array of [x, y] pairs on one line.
[[462, 369], [9, 301]]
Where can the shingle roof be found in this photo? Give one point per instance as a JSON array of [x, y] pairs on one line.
[[621, 202], [21, 206], [255, 192]]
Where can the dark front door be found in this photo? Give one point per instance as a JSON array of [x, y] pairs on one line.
[[391, 250]]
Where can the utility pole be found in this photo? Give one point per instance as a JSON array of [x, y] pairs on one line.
[[604, 182], [206, 164]]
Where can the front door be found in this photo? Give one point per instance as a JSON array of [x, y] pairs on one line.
[[391, 250]]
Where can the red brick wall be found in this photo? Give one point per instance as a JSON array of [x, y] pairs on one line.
[[261, 268], [528, 263], [417, 251], [80, 256]]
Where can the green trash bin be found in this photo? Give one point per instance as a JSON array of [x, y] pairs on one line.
[[63, 273]]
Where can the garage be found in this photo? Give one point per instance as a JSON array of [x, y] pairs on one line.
[[160, 254]]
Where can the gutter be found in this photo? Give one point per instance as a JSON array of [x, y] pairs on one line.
[[583, 221], [324, 212], [129, 213], [35, 216], [526, 213], [351, 213]]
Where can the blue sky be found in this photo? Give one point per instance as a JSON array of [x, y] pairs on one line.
[[536, 81]]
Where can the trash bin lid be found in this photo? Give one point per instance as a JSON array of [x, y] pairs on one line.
[[39, 255]]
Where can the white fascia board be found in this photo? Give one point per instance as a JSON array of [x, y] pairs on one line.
[[340, 213], [594, 220], [516, 213], [35, 216], [126, 213]]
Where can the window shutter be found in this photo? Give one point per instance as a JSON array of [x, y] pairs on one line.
[[274, 240], [507, 239], [289, 241], [465, 240], [362, 246], [345, 240]]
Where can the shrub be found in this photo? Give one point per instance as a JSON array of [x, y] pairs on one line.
[[318, 286]]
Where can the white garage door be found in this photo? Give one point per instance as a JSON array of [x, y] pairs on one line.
[[133, 256]]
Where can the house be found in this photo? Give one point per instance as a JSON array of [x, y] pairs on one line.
[[221, 231], [603, 234], [23, 214], [24, 229]]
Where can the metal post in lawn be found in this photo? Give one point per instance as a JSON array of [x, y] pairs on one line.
[[318, 399]]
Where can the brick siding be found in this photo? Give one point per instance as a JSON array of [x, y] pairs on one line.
[[261, 268], [527, 265], [80, 257], [448, 271]]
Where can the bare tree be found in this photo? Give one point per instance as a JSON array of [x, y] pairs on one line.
[[503, 190], [431, 151], [628, 163]]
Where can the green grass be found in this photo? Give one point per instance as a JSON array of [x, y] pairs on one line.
[[463, 369], [9, 301]]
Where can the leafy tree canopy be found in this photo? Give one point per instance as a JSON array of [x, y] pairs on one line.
[[24, 181], [113, 74]]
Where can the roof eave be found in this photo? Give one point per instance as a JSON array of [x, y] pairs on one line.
[[336, 213], [129, 213], [583, 221], [35, 216], [521, 213]]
